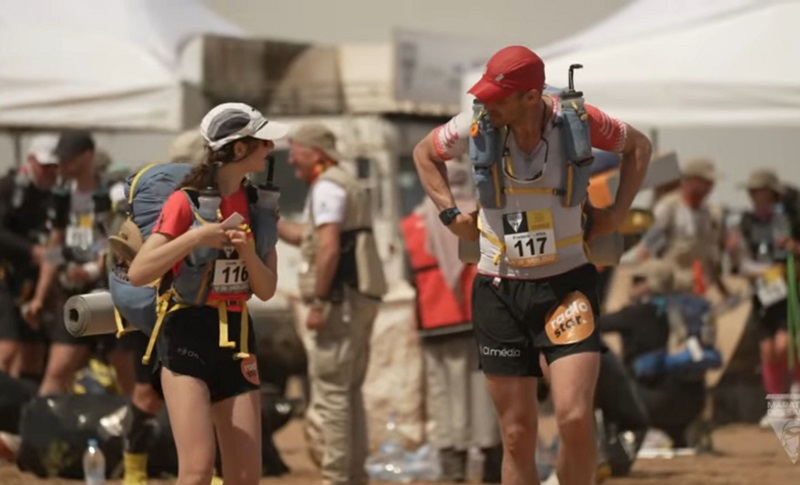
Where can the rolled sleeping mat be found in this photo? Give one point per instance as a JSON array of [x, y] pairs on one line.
[[91, 314]]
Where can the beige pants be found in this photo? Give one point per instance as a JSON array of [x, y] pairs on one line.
[[338, 356], [457, 398]]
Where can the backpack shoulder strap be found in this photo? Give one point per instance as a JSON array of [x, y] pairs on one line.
[[252, 199], [252, 209], [252, 193], [192, 195], [572, 120], [136, 179]]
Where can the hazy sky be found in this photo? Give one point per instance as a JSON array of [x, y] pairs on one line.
[[530, 22]]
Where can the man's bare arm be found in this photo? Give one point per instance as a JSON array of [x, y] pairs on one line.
[[433, 174], [635, 157]]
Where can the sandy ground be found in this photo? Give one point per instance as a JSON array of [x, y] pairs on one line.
[[747, 456]]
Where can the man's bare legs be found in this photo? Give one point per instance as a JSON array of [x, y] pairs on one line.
[[574, 380], [515, 401]]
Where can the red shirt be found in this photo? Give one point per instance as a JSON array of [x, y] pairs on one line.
[[176, 216]]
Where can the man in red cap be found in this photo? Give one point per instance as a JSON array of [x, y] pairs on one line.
[[535, 293]]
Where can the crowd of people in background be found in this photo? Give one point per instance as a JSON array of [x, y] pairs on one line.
[[58, 208]]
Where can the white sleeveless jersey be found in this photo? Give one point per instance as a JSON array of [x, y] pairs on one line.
[[534, 236]]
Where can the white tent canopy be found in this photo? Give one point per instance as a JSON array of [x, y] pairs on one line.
[[645, 17], [734, 68], [685, 63], [99, 63]]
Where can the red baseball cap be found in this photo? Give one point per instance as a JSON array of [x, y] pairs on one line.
[[511, 70]]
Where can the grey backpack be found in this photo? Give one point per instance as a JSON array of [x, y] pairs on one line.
[[146, 191]]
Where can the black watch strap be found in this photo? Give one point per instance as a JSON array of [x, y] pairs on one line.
[[448, 215]]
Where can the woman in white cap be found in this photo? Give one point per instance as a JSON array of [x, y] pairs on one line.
[[769, 231], [188, 147], [209, 249]]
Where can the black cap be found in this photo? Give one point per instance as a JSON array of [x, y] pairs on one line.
[[72, 143]]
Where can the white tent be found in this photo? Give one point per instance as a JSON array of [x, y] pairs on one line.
[[684, 63], [712, 64], [641, 18], [114, 64], [716, 78]]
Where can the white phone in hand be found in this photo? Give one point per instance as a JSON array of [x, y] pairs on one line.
[[233, 221]]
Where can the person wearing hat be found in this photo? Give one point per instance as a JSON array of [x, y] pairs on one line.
[[769, 231], [206, 367], [188, 147], [673, 400], [139, 420], [536, 290], [456, 401], [342, 282], [102, 162], [25, 199], [80, 221], [688, 231]]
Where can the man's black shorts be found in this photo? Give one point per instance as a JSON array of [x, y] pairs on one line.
[[509, 318], [188, 344]]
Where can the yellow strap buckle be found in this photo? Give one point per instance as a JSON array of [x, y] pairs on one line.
[[120, 325], [244, 334], [224, 341], [162, 310]]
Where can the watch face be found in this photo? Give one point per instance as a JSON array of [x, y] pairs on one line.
[[448, 215]]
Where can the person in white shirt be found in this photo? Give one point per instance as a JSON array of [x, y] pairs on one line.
[[342, 282]]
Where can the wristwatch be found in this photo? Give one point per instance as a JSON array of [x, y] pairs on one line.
[[447, 216]]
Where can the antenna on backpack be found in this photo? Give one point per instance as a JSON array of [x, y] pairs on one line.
[[270, 169], [210, 188], [570, 92], [268, 182]]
